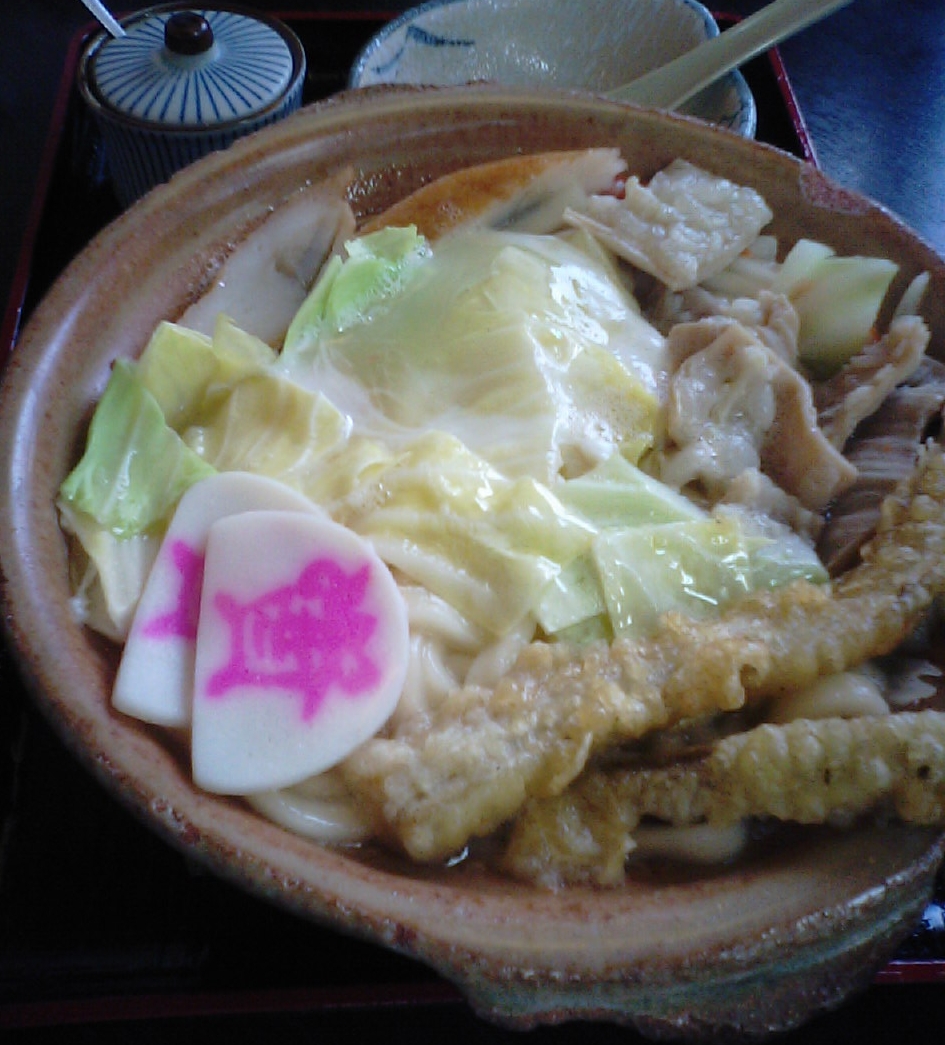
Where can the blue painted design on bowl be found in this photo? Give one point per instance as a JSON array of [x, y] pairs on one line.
[[422, 38], [594, 45]]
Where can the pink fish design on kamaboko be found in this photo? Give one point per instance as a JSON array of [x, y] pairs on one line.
[[303, 638], [302, 650], [181, 619], [156, 678]]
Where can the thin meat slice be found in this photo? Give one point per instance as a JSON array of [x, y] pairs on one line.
[[734, 404], [682, 227], [883, 449], [857, 390]]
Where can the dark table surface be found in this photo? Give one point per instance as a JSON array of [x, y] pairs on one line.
[[105, 934]]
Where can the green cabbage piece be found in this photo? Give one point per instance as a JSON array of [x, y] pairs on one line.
[[838, 300], [525, 348], [778, 554], [233, 408], [183, 369], [618, 494], [107, 580], [135, 467], [375, 270], [573, 599], [695, 567], [485, 543], [265, 424], [615, 495]]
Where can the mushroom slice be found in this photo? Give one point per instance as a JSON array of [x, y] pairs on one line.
[[264, 280]]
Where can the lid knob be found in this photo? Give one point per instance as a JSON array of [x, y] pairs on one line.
[[187, 33]]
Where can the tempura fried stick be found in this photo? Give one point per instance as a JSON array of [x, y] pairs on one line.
[[809, 772], [470, 765]]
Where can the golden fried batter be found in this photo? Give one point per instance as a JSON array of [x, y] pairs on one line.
[[805, 771], [470, 766]]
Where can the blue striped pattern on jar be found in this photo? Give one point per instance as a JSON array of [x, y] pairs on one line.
[[138, 159], [252, 64]]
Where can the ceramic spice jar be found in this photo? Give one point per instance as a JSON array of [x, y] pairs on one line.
[[182, 82]]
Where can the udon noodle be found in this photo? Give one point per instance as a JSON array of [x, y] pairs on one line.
[[735, 375]]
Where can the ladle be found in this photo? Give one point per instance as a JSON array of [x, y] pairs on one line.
[[674, 83]]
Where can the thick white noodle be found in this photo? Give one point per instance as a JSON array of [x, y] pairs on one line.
[[693, 844], [320, 808], [849, 694]]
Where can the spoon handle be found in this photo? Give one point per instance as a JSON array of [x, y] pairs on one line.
[[105, 18], [672, 84]]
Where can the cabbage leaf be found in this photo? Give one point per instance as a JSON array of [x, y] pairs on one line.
[[614, 496], [109, 573], [525, 348], [182, 368], [837, 299], [135, 467], [265, 424], [617, 494], [695, 567], [485, 543], [375, 270]]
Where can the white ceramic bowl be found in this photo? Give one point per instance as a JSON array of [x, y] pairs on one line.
[[593, 45]]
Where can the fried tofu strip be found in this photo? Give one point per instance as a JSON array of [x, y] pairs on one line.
[[470, 765], [808, 772]]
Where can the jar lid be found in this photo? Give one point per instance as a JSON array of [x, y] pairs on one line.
[[192, 68]]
